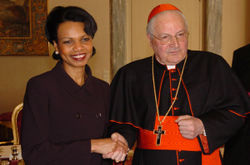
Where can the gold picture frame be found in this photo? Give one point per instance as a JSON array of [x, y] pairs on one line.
[[22, 27]]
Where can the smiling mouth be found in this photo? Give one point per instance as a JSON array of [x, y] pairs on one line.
[[79, 56]]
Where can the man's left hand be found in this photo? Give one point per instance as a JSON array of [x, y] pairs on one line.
[[189, 126]]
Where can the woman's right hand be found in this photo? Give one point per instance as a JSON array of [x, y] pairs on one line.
[[111, 147]]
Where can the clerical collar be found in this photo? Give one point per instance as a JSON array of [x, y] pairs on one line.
[[169, 67], [164, 67]]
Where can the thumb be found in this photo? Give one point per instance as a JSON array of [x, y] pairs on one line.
[[114, 136]]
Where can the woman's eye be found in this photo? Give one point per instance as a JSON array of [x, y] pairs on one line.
[[67, 42], [85, 39]]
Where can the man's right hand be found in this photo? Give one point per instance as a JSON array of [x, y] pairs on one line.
[[120, 153]]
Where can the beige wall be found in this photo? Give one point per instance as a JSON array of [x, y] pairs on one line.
[[15, 71], [235, 26]]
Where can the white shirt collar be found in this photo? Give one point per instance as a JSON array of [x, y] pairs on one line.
[[171, 67]]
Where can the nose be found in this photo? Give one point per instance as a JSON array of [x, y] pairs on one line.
[[174, 42], [78, 46]]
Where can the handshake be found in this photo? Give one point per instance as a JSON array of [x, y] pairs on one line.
[[115, 148]]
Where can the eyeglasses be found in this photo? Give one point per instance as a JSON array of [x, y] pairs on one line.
[[167, 38]]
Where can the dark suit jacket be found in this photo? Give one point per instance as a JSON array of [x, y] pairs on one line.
[[241, 65], [60, 118], [237, 149]]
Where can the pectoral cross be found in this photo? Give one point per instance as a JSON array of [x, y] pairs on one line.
[[159, 132]]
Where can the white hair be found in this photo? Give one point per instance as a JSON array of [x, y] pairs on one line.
[[149, 28]]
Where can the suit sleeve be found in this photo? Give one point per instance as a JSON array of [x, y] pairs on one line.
[[123, 115], [37, 147], [226, 106]]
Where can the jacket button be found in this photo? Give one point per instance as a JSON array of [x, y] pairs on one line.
[[98, 115], [78, 115]]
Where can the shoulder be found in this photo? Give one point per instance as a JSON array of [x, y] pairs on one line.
[[245, 48], [204, 62], [42, 78], [206, 57], [204, 54], [42, 82], [243, 52], [136, 66], [134, 72]]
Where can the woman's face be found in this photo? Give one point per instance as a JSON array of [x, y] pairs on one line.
[[74, 45]]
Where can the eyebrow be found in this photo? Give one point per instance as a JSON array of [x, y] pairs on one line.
[[175, 33], [85, 35]]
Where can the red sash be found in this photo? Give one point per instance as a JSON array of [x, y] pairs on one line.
[[173, 140]]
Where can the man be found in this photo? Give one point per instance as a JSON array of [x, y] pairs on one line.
[[241, 65], [237, 149], [181, 105]]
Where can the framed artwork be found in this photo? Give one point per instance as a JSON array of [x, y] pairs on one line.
[[22, 27]]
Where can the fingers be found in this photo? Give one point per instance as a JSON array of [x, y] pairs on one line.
[[117, 156], [183, 117], [189, 126], [119, 149], [120, 152], [187, 134], [116, 136], [108, 155]]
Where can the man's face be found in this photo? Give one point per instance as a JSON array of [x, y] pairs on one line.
[[168, 38]]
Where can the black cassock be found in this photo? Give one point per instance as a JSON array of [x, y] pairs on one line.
[[209, 89]]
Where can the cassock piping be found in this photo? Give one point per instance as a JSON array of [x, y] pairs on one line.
[[232, 111]]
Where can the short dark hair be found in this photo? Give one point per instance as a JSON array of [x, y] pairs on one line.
[[62, 14]]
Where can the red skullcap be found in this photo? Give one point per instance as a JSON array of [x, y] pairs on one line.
[[161, 8]]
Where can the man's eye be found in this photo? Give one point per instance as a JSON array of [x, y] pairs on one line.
[[180, 35], [166, 37]]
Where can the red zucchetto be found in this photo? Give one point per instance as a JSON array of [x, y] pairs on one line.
[[161, 8]]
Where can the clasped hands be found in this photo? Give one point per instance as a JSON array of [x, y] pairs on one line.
[[115, 148]]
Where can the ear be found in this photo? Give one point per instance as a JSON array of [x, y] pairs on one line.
[[150, 39], [55, 46]]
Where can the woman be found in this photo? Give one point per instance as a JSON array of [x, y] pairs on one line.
[[65, 111]]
